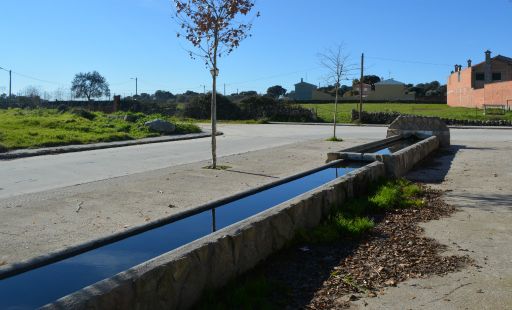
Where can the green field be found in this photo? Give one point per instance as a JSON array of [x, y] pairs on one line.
[[325, 111], [47, 127]]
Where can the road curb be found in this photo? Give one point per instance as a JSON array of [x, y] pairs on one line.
[[98, 146], [328, 124]]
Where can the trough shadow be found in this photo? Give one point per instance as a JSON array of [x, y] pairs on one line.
[[252, 173], [436, 166]]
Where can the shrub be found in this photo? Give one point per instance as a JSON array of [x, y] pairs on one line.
[[62, 108], [200, 108], [258, 107], [3, 148], [264, 107], [83, 113]]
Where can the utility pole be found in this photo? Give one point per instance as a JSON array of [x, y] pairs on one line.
[[136, 85], [361, 90], [10, 80], [224, 89]]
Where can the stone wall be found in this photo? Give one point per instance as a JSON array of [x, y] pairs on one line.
[[177, 279], [397, 164], [389, 117], [421, 127]]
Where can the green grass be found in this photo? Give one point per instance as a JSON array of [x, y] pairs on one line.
[[21, 128], [352, 218], [253, 291], [396, 194], [334, 139], [326, 110]]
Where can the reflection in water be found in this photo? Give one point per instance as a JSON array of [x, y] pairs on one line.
[[214, 229], [40, 286], [393, 147]]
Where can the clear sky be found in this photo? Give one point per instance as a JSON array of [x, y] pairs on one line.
[[52, 40]]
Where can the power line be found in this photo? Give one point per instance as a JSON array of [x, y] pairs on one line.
[[408, 61], [37, 79], [274, 76]]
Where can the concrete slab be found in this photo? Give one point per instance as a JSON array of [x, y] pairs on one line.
[[477, 176]]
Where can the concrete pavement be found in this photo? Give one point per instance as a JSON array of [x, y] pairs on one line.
[[477, 177]]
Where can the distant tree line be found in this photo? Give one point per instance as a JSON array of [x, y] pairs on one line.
[[422, 90]]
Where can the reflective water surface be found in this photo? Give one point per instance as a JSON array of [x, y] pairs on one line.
[[393, 147], [43, 285]]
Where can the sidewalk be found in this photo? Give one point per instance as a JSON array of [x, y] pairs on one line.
[[481, 190], [96, 146]]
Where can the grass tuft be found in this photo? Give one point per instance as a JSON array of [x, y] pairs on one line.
[[351, 220], [219, 167], [334, 139], [396, 194]]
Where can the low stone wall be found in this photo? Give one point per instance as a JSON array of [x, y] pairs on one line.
[[397, 164], [421, 127], [389, 117], [177, 279]]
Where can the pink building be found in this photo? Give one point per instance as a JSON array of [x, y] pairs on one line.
[[489, 82]]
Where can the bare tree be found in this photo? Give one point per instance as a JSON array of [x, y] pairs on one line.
[[60, 93], [32, 91], [214, 29], [335, 62]]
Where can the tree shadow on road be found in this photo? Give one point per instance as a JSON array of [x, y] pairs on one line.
[[483, 201]]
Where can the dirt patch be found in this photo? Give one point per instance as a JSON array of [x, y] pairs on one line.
[[331, 276]]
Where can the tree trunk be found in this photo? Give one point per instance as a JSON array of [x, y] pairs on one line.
[[214, 103], [214, 119], [335, 110]]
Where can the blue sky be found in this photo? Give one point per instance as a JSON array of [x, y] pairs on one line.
[[52, 40]]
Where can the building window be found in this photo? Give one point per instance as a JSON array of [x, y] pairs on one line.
[[496, 76], [480, 77]]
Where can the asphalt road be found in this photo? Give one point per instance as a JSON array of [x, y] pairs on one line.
[[29, 175]]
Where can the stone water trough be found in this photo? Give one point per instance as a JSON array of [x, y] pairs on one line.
[[423, 134], [177, 278]]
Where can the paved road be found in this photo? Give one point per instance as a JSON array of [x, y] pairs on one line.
[[40, 173], [36, 174]]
